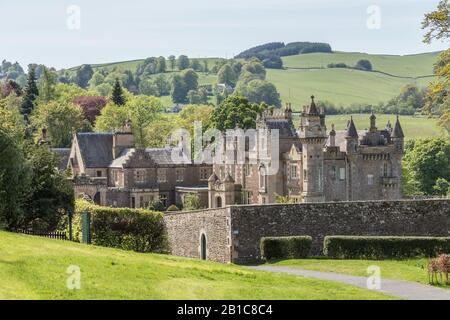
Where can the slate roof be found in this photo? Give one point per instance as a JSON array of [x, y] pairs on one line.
[[398, 131], [285, 128], [161, 156], [95, 149], [351, 130], [63, 156]]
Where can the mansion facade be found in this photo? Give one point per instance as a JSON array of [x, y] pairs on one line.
[[315, 165]]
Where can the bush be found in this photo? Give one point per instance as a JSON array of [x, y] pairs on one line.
[[173, 208], [349, 247], [285, 247], [125, 228]]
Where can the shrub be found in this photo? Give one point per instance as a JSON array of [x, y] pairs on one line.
[[285, 247], [173, 208], [350, 247], [125, 228]]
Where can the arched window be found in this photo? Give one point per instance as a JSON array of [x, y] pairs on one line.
[[219, 202]]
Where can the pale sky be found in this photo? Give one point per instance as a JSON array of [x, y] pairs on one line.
[[37, 31]]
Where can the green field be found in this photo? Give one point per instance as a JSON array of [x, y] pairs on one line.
[[306, 74], [410, 270], [35, 268], [413, 126]]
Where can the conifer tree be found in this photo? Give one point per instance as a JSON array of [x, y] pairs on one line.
[[117, 94], [31, 92]]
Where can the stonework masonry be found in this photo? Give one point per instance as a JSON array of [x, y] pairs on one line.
[[233, 233]]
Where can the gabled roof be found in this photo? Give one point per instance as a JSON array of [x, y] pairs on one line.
[[95, 149]]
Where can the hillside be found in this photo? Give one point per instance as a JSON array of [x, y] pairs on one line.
[[307, 74], [35, 268]]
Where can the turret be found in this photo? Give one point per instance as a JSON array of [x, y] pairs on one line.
[[398, 136], [332, 136], [313, 137], [351, 137], [373, 125]]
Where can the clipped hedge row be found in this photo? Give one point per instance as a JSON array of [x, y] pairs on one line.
[[125, 228], [285, 247], [352, 247]]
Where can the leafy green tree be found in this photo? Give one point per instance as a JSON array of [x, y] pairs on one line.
[[227, 75], [195, 64], [205, 66], [51, 194], [161, 65], [156, 205], [364, 64], [14, 180], [11, 120], [112, 117], [83, 75], [143, 111], [61, 120], [183, 62], [97, 79], [148, 87], [259, 91], [190, 78], [172, 60], [426, 161], [162, 85], [117, 94], [178, 89], [47, 84], [442, 187], [236, 111], [191, 201], [437, 24]]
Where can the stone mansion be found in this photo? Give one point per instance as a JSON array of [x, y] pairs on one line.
[[315, 165]]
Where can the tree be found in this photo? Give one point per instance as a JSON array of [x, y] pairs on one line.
[[442, 187], [47, 84], [227, 76], [51, 195], [438, 25], [191, 201], [195, 64], [161, 65], [426, 161], [190, 78], [172, 62], [8, 87], [236, 111], [142, 110], [112, 117], [31, 92], [259, 91], [11, 121], [117, 94], [148, 87], [364, 65], [156, 205], [83, 75], [90, 106], [61, 120], [205, 66], [183, 62], [97, 79], [192, 113], [14, 181], [179, 90]]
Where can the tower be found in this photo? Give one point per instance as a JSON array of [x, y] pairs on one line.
[[313, 137], [398, 136], [351, 137]]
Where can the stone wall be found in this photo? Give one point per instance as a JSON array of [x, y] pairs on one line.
[[186, 228], [376, 218]]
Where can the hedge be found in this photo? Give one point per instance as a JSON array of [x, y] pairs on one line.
[[125, 228], [285, 247], [352, 247]]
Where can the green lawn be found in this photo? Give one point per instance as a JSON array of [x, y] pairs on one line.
[[35, 268], [411, 270]]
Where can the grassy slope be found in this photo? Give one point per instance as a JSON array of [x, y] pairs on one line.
[[35, 268], [410, 270], [413, 127]]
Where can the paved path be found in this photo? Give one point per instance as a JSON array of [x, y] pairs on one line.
[[402, 289]]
